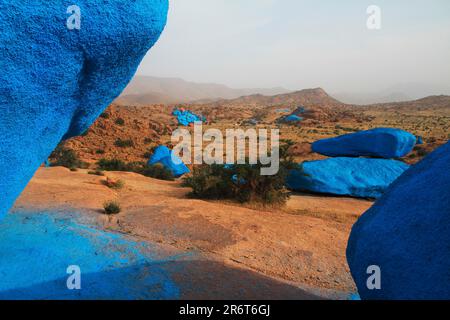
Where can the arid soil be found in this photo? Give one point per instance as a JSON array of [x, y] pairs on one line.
[[302, 245]]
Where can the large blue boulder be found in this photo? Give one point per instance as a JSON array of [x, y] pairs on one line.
[[407, 235], [173, 163], [356, 177], [61, 66], [380, 142]]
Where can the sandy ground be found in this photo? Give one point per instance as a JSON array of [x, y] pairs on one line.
[[297, 252]]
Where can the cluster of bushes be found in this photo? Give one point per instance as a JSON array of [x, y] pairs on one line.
[[156, 171], [124, 143], [66, 157], [243, 183]]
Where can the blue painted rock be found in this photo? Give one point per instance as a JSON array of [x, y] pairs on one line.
[[381, 143], [407, 234], [186, 117], [60, 68], [173, 163], [356, 177], [293, 118]]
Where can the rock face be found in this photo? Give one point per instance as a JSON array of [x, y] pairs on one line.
[[407, 234], [357, 177], [380, 142], [163, 155], [55, 80]]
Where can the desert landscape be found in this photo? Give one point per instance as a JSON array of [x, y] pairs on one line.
[[293, 251]]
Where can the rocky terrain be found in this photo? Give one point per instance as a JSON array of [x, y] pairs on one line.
[[151, 125]]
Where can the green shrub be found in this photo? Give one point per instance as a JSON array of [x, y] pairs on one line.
[[124, 143], [241, 182], [112, 165], [120, 122], [147, 155], [104, 115], [114, 184], [157, 171], [112, 207], [100, 151], [66, 157], [97, 173]]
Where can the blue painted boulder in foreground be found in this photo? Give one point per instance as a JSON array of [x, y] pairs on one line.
[[407, 234], [356, 177], [54, 82], [37, 249], [380, 142], [164, 156]]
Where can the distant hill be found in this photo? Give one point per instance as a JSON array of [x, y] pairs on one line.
[[307, 97], [397, 93], [441, 102], [153, 90]]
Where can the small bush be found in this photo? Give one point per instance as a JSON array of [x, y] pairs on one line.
[[97, 173], [120, 122], [147, 155], [148, 140], [112, 165], [114, 184], [66, 157], [124, 143], [100, 151], [157, 171], [104, 115], [112, 207]]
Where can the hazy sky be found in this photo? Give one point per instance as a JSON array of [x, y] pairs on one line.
[[300, 44]]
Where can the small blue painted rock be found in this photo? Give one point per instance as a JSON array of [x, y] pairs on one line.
[[164, 156], [381, 143], [60, 68], [407, 235], [356, 177]]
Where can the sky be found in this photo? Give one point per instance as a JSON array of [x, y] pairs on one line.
[[300, 44]]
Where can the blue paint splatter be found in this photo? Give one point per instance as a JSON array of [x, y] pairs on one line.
[[37, 248]]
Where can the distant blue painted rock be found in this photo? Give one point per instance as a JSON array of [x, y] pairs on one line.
[[186, 117], [55, 81], [357, 177], [407, 234], [163, 155], [381, 143], [293, 118]]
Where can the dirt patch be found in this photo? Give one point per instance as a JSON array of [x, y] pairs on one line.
[[303, 243]]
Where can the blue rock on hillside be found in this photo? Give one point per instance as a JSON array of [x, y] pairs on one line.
[[293, 118], [163, 155], [54, 82], [380, 142], [357, 177], [186, 117], [407, 234]]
